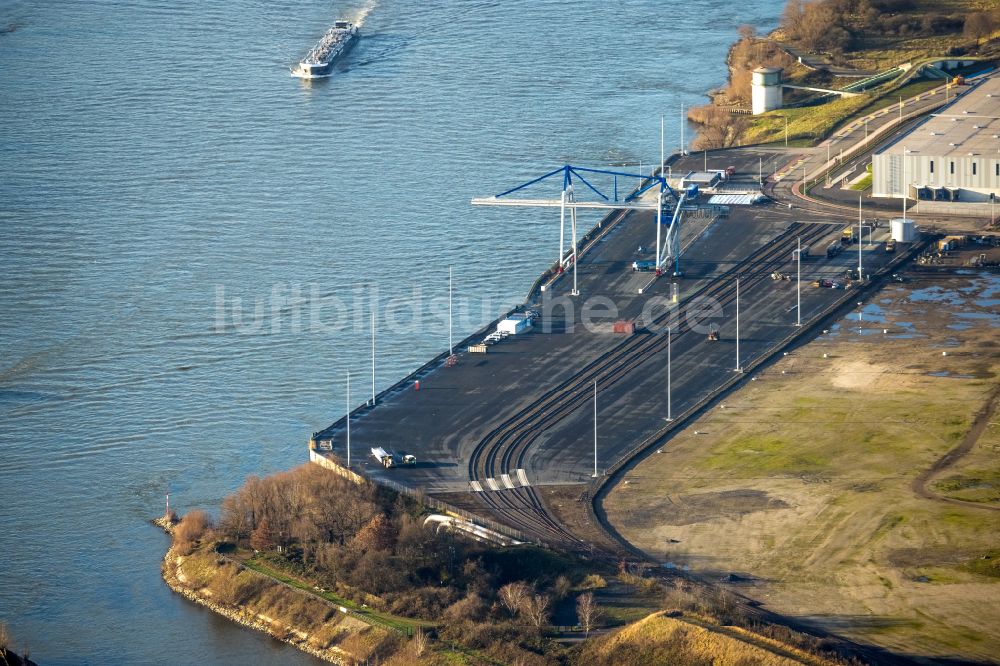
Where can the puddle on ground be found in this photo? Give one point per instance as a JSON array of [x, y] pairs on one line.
[[992, 317], [832, 332], [875, 319], [904, 330], [935, 294], [948, 373], [873, 312]]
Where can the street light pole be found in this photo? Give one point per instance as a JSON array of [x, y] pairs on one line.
[[860, 277], [738, 367], [683, 152], [572, 217], [348, 417], [595, 429], [906, 186], [373, 356], [786, 131], [662, 156], [670, 416], [798, 283], [451, 346]]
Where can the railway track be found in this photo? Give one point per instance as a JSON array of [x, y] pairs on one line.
[[505, 449]]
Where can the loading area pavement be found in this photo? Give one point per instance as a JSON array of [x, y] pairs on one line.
[[458, 404]]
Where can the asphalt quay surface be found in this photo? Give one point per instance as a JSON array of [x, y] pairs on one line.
[[455, 407]]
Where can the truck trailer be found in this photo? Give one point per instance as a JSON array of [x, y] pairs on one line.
[[384, 457]]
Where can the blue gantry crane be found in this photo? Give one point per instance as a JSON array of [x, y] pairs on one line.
[[667, 249]]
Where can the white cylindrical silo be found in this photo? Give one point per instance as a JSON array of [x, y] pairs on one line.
[[765, 89], [903, 230]]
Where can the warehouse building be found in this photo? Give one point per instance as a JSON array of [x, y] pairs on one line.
[[954, 155]]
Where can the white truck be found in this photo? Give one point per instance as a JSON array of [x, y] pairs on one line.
[[385, 458], [388, 459]]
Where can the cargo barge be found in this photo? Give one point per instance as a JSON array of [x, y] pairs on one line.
[[337, 41]]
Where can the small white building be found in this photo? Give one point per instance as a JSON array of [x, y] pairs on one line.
[[765, 90], [954, 155], [703, 179], [514, 324]]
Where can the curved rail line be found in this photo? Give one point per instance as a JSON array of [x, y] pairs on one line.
[[505, 448]]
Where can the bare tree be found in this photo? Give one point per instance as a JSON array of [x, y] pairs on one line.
[[235, 520], [512, 596], [561, 587], [977, 26], [419, 643], [718, 128], [4, 638], [375, 535], [536, 607], [587, 611], [262, 538], [791, 18], [191, 528]]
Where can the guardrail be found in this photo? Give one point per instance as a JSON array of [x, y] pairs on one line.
[[863, 84]]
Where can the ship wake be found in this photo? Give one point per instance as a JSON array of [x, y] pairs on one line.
[[359, 16]]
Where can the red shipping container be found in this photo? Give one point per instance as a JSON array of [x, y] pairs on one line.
[[624, 327]]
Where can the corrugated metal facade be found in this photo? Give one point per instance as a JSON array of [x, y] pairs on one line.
[[954, 155], [975, 177]]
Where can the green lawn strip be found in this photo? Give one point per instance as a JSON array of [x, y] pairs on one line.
[[393, 622], [908, 91], [863, 184], [809, 124], [460, 650]]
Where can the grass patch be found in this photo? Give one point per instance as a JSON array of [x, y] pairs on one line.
[[808, 123], [752, 455], [863, 184], [198, 569], [658, 639], [987, 564], [973, 485], [393, 622]]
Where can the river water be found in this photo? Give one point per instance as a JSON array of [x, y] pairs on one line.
[[157, 163]]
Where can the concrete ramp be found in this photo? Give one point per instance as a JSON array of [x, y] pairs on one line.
[[842, 93]]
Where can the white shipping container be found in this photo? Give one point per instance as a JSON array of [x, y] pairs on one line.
[[513, 326]]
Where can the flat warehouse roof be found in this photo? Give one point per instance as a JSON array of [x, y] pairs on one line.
[[970, 127]]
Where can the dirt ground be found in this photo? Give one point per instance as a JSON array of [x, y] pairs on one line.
[[805, 482]]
